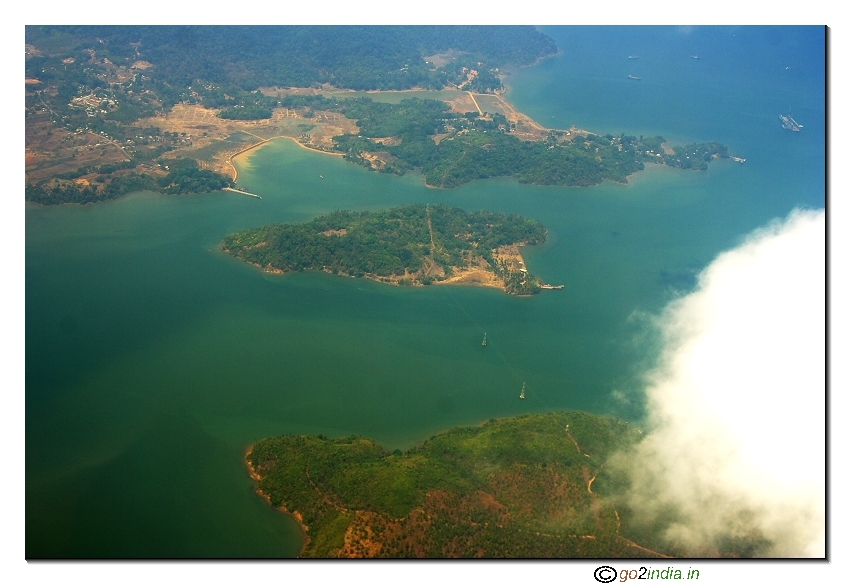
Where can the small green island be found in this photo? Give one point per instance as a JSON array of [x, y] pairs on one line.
[[415, 244], [520, 487]]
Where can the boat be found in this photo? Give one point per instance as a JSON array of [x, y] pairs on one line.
[[634, 56], [789, 123], [522, 393], [633, 77], [695, 56], [550, 286], [484, 342], [322, 177]]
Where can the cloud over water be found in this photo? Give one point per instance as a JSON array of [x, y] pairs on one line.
[[734, 462]]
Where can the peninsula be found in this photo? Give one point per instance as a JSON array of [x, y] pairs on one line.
[[521, 487], [410, 245], [111, 110]]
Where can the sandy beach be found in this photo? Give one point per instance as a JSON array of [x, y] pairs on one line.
[[251, 148], [475, 276]]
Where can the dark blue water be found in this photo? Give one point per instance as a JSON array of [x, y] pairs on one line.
[[153, 360]]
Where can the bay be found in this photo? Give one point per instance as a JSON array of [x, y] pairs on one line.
[[153, 360]]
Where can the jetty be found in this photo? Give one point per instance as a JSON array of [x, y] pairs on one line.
[[239, 191]]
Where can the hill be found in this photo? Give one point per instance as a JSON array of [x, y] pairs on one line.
[[243, 58], [517, 487]]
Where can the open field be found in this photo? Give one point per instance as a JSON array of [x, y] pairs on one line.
[[52, 150], [213, 141], [216, 140], [460, 101]]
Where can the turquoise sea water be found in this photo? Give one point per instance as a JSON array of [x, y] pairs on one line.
[[153, 360]]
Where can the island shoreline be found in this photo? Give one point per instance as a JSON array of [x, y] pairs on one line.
[[256, 477]]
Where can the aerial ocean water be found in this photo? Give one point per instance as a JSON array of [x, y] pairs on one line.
[[153, 360]]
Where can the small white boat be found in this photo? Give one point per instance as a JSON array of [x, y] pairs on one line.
[[522, 393], [484, 342]]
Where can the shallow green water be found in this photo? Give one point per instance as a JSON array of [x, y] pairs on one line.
[[153, 360]]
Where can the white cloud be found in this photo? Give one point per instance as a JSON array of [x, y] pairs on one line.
[[737, 404]]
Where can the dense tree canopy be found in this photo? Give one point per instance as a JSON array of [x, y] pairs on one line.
[[415, 241], [509, 488], [355, 57], [474, 150], [184, 177]]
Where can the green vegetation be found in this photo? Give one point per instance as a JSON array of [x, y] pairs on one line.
[[477, 146], [101, 80], [184, 177], [518, 487], [242, 112], [240, 59], [409, 244], [696, 156]]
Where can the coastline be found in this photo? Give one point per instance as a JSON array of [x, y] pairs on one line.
[[243, 151], [473, 276], [543, 58], [293, 513], [267, 141], [306, 147]]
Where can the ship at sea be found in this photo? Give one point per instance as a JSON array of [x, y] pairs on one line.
[[789, 123], [634, 78]]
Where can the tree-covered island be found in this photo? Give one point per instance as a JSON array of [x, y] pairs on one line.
[[409, 245], [520, 487]]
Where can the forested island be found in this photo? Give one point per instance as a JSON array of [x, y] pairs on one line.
[[521, 487], [409, 245]]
